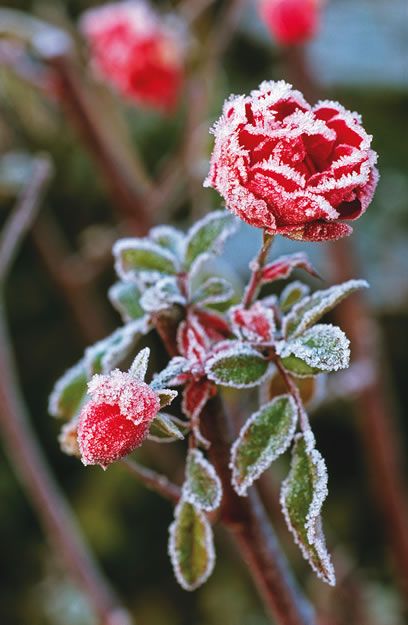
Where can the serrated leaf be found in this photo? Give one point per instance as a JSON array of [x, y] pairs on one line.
[[166, 429], [213, 291], [312, 308], [134, 256], [264, 437], [302, 496], [322, 348], [104, 355], [174, 368], [125, 297], [291, 294], [240, 366], [255, 324], [208, 235], [169, 238], [191, 546], [138, 368], [162, 295], [202, 486], [282, 267], [69, 392]]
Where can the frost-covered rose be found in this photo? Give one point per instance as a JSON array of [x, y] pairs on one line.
[[136, 51], [290, 168], [117, 418], [291, 21]]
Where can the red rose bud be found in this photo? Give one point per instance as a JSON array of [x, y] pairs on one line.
[[137, 52], [291, 21], [290, 168], [117, 418]]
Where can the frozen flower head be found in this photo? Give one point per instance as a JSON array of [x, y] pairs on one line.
[[290, 168], [117, 418], [291, 21], [137, 52]]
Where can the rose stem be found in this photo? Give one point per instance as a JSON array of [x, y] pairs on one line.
[[153, 481], [257, 266], [376, 414], [20, 441]]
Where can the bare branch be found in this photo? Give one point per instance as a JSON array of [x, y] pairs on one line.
[[153, 481]]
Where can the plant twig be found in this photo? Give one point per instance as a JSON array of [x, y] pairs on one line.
[[153, 480], [20, 441], [256, 266]]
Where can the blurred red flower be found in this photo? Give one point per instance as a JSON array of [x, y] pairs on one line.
[[138, 52], [291, 21], [290, 168]]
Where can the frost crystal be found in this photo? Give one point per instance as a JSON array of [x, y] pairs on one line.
[[323, 347], [288, 168]]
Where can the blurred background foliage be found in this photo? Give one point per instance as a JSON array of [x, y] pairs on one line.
[[126, 525]]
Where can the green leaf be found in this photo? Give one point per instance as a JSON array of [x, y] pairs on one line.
[[202, 486], [208, 235], [125, 297], [213, 291], [165, 429], [322, 348], [133, 256], [265, 436], [166, 396], [312, 308], [69, 392], [162, 295], [106, 354], [168, 237], [291, 294], [191, 546], [302, 496], [239, 367]]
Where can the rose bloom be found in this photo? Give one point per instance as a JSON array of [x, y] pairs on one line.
[[137, 52], [117, 418], [291, 21], [290, 168]]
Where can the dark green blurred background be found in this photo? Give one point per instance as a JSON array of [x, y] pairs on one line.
[[361, 58]]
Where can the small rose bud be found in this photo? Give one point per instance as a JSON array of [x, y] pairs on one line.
[[291, 21], [138, 52], [117, 418]]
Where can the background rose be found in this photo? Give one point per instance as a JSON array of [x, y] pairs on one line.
[[291, 21], [289, 168]]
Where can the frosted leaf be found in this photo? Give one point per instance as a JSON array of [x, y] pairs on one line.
[[68, 438], [196, 393], [202, 487], [207, 236], [323, 347], [282, 267], [169, 238], [191, 546], [264, 437], [133, 256], [238, 366], [104, 355], [68, 392], [291, 294], [213, 291], [166, 396], [164, 294], [312, 308], [177, 366], [255, 324], [166, 429], [138, 368], [302, 496], [125, 297]]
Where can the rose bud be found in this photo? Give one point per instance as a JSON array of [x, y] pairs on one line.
[[291, 21], [290, 168], [137, 52], [117, 418]]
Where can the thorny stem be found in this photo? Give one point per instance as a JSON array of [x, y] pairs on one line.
[[256, 266], [153, 481], [20, 440]]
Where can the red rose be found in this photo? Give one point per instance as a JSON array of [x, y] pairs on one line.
[[117, 418], [290, 168], [141, 55], [291, 21]]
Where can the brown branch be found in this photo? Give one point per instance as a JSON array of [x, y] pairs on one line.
[[376, 413], [153, 481], [20, 440]]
